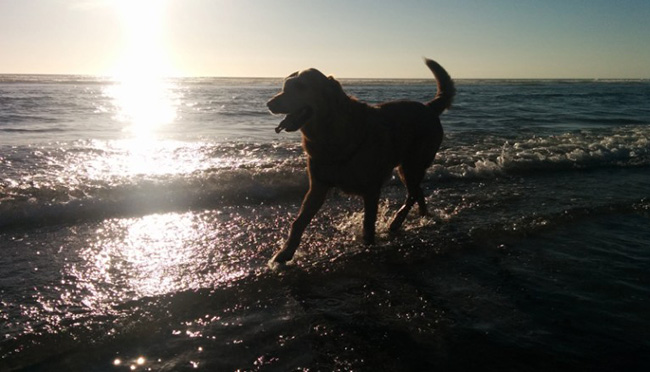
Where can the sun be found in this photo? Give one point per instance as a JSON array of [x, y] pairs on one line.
[[141, 94], [144, 51]]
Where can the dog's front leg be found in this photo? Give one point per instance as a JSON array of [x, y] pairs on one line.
[[370, 207], [311, 204]]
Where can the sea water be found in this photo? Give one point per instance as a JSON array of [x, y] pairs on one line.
[[137, 219]]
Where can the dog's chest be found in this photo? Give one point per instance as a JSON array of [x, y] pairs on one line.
[[357, 174], [356, 163]]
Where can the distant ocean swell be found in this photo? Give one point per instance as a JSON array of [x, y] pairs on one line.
[[44, 130]]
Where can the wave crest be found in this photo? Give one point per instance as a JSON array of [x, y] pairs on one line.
[[621, 147]]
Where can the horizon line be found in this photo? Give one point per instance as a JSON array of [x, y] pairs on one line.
[[108, 76]]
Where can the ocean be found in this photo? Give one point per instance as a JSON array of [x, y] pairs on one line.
[[137, 219]]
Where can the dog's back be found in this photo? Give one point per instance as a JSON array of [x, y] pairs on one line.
[[416, 129]]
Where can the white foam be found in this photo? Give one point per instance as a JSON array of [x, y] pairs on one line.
[[623, 146]]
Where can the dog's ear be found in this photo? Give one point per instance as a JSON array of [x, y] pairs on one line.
[[336, 86], [336, 96], [333, 93]]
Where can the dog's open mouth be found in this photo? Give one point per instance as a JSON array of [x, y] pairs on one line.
[[295, 120]]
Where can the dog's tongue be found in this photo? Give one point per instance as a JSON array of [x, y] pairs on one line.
[[287, 124], [282, 125], [294, 121]]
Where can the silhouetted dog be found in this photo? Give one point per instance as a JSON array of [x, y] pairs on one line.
[[355, 146]]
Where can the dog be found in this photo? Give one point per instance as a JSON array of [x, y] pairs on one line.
[[354, 146]]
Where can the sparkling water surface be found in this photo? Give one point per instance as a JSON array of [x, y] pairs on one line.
[[136, 220]]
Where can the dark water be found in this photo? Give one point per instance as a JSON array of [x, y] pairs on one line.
[[136, 221]]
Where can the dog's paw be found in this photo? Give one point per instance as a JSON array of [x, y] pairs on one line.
[[279, 265], [276, 266], [281, 257], [369, 240]]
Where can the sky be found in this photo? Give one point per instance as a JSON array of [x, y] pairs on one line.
[[346, 38]]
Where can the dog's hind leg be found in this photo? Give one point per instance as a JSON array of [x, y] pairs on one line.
[[411, 177], [314, 199], [401, 214], [422, 205]]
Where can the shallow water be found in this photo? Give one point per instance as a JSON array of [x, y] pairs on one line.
[[139, 241]]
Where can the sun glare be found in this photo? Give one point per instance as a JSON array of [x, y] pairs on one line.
[[144, 51], [142, 94]]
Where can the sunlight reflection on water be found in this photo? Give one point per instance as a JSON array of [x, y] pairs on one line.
[[143, 156], [126, 259], [151, 255], [145, 104], [131, 258]]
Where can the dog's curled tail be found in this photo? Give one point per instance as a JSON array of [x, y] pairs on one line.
[[446, 88]]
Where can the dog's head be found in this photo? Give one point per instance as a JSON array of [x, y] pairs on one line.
[[306, 96]]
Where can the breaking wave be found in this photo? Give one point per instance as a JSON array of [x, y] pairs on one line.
[[253, 174]]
